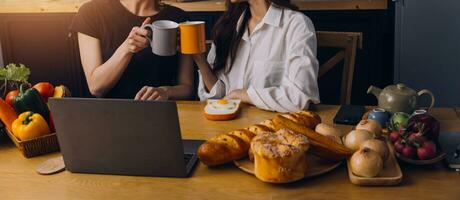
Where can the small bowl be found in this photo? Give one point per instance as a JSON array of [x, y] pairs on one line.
[[436, 159]]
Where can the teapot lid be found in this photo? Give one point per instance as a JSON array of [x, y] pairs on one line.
[[400, 89]]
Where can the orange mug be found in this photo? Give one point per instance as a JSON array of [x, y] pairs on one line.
[[192, 37]]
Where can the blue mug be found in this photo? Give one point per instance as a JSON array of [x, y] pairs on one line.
[[379, 115]]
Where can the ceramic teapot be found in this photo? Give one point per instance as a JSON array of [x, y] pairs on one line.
[[399, 98]]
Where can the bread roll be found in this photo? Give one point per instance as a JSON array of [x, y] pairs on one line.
[[268, 123], [305, 118], [280, 157], [223, 148], [320, 144], [294, 118], [258, 129], [311, 119], [244, 135], [326, 129]]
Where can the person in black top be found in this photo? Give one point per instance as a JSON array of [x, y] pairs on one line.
[[117, 59]]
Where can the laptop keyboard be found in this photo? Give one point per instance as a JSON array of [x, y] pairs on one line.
[[187, 157]]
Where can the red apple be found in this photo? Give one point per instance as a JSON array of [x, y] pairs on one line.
[[394, 136], [427, 150], [409, 152], [399, 146]]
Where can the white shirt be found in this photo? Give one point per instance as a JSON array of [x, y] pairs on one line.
[[276, 64]]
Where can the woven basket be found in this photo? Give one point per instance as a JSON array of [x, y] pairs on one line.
[[29, 148], [35, 147]]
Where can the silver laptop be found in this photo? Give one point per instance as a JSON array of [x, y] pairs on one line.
[[124, 137]]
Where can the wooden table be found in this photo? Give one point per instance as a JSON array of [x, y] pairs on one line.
[[72, 6], [18, 179]]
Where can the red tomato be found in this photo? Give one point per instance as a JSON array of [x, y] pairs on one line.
[[10, 96], [45, 89]]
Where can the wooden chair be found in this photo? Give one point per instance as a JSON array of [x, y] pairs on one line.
[[347, 42]]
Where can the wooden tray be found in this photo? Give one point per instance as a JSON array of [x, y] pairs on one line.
[[316, 165], [390, 175], [35, 147]]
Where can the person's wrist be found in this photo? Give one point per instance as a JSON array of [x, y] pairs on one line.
[[124, 49], [200, 60], [246, 97], [166, 90]]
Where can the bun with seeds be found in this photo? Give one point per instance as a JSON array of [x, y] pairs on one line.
[[280, 157], [258, 129]]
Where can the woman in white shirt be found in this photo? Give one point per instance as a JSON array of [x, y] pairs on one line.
[[264, 53]]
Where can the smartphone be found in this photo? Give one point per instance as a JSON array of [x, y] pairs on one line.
[[349, 114], [450, 144]]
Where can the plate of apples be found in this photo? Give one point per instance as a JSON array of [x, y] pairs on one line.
[[417, 142]]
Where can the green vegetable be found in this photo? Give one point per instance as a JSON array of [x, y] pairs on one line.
[[30, 100], [15, 72]]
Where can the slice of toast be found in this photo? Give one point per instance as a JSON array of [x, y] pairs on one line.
[[222, 110]]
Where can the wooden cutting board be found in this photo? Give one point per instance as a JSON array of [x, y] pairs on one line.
[[390, 175]]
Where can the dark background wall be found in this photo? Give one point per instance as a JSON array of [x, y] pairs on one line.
[[428, 47], [1, 57]]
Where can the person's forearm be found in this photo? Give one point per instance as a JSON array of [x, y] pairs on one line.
[[179, 91], [104, 77], [208, 76]]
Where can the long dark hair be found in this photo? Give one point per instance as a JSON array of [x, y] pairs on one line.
[[227, 37]]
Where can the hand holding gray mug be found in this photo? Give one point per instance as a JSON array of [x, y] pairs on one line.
[[164, 37], [136, 40]]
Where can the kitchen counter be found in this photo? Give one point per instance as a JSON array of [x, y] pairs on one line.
[[18, 180], [72, 6]]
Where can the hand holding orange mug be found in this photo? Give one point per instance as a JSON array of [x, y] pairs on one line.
[[192, 37]]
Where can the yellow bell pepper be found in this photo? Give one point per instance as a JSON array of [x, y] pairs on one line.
[[30, 125]]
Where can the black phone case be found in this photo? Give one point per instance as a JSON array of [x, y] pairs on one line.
[[349, 114]]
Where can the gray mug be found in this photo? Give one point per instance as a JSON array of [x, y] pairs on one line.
[[164, 37]]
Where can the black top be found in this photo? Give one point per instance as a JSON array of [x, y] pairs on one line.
[[110, 22]]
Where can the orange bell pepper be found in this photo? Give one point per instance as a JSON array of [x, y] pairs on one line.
[[7, 115]]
